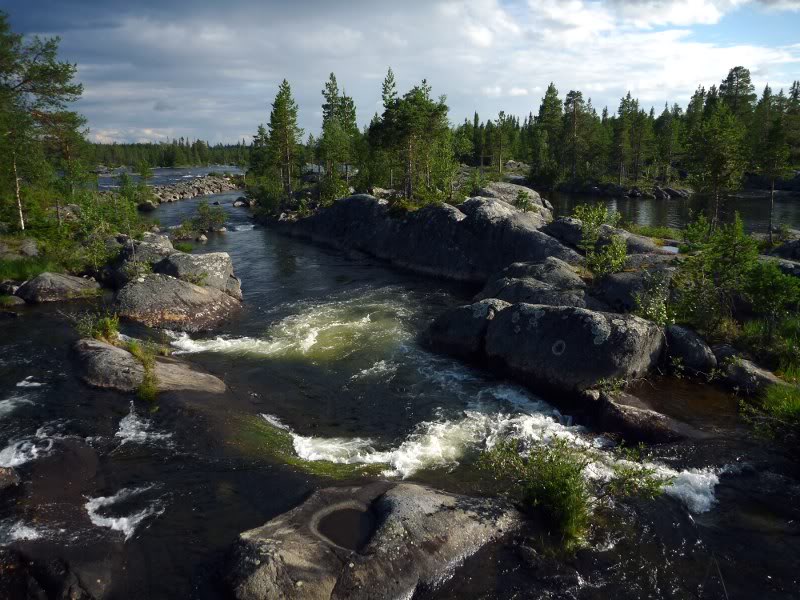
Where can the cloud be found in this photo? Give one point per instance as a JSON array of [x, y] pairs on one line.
[[154, 68]]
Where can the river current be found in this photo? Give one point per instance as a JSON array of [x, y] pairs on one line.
[[146, 501]]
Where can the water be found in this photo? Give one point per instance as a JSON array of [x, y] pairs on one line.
[[753, 208], [166, 176], [145, 503]]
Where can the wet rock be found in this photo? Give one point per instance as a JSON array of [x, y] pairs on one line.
[[111, 367], [461, 331], [24, 579], [634, 421], [56, 287], [139, 256], [789, 250], [690, 350], [214, 269], [147, 206], [571, 349], [467, 243], [240, 204], [202, 238], [158, 300], [421, 535]]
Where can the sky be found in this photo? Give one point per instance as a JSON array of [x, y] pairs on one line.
[[154, 70]]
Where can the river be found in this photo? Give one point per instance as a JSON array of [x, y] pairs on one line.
[[145, 502]]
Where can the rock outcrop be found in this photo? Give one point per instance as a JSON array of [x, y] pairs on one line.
[[743, 375], [106, 366], [420, 535], [634, 421], [158, 300], [689, 351], [469, 242], [191, 188], [56, 287], [460, 332], [137, 257]]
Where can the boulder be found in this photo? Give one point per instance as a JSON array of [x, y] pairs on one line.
[[106, 366], [789, 250], [138, 256], [565, 229], [11, 301], [23, 578], [56, 287], [214, 269], [461, 331], [743, 375], [634, 421], [571, 349], [420, 535], [569, 230], [467, 243], [158, 300], [551, 270], [685, 346], [29, 248], [240, 204], [619, 290], [509, 192]]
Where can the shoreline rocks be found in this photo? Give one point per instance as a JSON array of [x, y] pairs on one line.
[[191, 188], [419, 536], [110, 367]]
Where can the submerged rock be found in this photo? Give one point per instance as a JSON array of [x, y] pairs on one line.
[[111, 367], [158, 300], [419, 536], [56, 287], [467, 243], [23, 578], [571, 349]]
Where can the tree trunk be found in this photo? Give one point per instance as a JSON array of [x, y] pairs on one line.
[[409, 171], [19, 197], [771, 208]]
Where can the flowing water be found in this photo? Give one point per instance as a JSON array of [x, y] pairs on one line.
[[144, 502]]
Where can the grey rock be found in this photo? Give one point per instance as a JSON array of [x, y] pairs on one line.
[[743, 375], [110, 367], [55, 287], [8, 287], [565, 229], [10, 301], [571, 349], [139, 256], [690, 349], [158, 300], [214, 269], [509, 192], [533, 291], [421, 535], [240, 203], [29, 248], [619, 290], [202, 238], [466, 243], [551, 270], [629, 417], [461, 331]]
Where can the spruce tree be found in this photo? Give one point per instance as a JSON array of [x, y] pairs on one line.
[[284, 135]]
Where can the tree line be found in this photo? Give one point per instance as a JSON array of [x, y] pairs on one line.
[[180, 152], [724, 132]]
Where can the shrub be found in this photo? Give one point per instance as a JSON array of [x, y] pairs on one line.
[[606, 258], [653, 231], [103, 327], [209, 218], [773, 294], [550, 479], [145, 353], [523, 201], [652, 301], [183, 247]]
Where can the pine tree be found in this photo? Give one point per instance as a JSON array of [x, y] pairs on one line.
[[738, 93], [284, 135], [773, 160]]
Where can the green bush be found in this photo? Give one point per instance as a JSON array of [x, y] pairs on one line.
[[549, 480], [523, 201], [652, 303], [773, 294], [103, 327], [209, 218], [183, 247], [601, 259]]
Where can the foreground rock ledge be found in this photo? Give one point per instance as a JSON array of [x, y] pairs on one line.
[[110, 367], [421, 536], [159, 300]]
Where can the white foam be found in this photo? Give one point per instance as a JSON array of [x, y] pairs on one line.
[[9, 405], [136, 429], [125, 524], [694, 487], [22, 450], [29, 382], [380, 369], [17, 531], [244, 227]]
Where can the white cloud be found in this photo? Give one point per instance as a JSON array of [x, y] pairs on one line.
[[220, 69]]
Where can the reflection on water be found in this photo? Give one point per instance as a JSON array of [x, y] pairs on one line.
[[678, 212]]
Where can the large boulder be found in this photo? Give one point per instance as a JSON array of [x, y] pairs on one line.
[[634, 421], [56, 287], [571, 349], [158, 300], [461, 331], [688, 349], [510, 193], [138, 256], [420, 535], [743, 375], [620, 290], [214, 270], [467, 243], [106, 366], [569, 230]]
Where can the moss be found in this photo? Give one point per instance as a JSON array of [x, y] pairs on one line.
[[257, 438], [7, 301], [183, 247]]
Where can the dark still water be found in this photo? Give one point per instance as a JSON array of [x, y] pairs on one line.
[[753, 208], [144, 503]]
